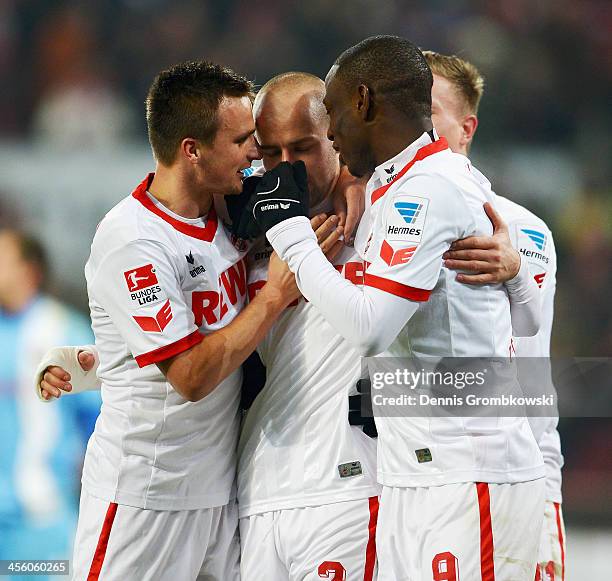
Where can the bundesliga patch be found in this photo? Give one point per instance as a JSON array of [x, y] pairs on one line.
[[350, 469], [143, 285], [533, 244], [395, 253], [406, 221]]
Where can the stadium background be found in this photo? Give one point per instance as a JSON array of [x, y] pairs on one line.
[[73, 141]]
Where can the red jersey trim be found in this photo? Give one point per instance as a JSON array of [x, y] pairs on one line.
[[370, 560], [396, 288], [560, 536], [98, 558], [425, 151], [487, 568], [171, 350], [207, 233]]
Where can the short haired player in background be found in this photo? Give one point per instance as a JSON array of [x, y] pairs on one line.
[[38, 479], [457, 495], [457, 89]]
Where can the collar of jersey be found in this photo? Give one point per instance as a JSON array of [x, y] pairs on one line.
[[206, 233], [418, 150]]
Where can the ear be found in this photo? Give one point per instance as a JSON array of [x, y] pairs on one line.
[[468, 127], [365, 102], [190, 150]]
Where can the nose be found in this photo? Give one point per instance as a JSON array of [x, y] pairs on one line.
[[286, 155], [330, 134], [253, 152]]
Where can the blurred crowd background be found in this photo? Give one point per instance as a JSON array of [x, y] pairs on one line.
[[73, 141]]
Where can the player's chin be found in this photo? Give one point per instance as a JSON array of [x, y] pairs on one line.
[[236, 186]]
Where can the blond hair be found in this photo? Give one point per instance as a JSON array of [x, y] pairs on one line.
[[463, 74]]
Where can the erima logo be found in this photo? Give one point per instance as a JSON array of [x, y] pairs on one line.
[[269, 207], [198, 269], [391, 169], [284, 206], [538, 238], [409, 211]]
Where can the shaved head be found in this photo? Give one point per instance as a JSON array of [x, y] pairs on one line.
[[292, 94], [292, 124]]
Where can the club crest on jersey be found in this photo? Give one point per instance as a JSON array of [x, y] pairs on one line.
[[407, 219], [534, 244], [393, 255]]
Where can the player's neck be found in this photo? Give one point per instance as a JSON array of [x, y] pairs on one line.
[[395, 135], [175, 191]]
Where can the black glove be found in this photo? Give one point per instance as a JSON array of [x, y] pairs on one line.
[[282, 193], [243, 225], [360, 408]]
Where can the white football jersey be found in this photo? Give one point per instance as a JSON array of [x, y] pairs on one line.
[[533, 239], [417, 204], [296, 447], [157, 284]]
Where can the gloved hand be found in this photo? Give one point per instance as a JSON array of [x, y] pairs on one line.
[[243, 225], [281, 194], [360, 408]]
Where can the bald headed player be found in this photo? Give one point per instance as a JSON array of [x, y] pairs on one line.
[[457, 89], [307, 487]]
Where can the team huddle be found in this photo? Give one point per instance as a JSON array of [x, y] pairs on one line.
[[209, 260]]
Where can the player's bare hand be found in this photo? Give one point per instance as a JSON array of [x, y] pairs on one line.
[[329, 234], [281, 281], [54, 381], [86, 360], [488, 259]]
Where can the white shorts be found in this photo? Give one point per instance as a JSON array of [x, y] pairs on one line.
[[332, 541], [460, 532], [115, 542], [551, 556]]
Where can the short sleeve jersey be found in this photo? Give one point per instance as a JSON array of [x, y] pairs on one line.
[[417, 204], [158, 284]]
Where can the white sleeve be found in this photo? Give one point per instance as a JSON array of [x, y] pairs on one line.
[[405, 263], [525, 302], [139, 288]]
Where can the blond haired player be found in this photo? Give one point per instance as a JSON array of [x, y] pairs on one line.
[[457, 89], [462, 497]]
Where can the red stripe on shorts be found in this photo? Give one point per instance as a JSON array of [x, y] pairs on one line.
[[487, 570], [370, 559], [98, 558], [560, 534]]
